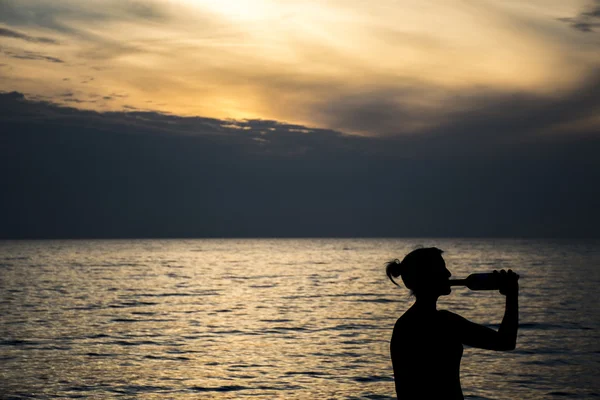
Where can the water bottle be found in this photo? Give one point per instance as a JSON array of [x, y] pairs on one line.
[[485, 281]]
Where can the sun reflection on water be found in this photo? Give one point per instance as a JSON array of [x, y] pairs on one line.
[[290, 319]]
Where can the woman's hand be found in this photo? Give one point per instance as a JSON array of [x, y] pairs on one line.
[[480, 336], [509, 282]]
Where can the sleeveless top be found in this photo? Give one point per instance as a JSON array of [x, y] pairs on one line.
[[426, 353]]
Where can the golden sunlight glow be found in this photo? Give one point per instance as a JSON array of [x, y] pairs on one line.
[[285, 60], [244, 10]]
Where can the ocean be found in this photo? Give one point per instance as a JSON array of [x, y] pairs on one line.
[[278, 318]]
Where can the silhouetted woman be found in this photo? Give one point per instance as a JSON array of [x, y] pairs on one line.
[[427, 343]]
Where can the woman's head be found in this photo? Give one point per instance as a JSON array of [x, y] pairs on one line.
[[422, 270]]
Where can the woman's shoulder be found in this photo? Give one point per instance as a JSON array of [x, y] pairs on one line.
[[447, 314], [450, 317], [404, 322], [404, 329], [401, 321]]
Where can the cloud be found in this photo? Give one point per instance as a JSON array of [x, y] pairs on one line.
[[587, 20], [581, 24], [86, 24], [381, 69], [479, 111], [396, 71], [592, 10], [58, 14], [30, 55], [147, 174], [18, 35], [77, 101]]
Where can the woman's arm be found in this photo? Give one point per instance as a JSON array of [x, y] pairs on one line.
[[510, 322], [480, 336]]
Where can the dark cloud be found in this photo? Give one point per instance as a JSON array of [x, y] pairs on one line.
[[480, 117], [586, 20], [76, 173], [593, 11], [78, 101], [148, 10], [90, 22], [75, 20], [55, 14], [581, 24], [30, 55], [18, 35]]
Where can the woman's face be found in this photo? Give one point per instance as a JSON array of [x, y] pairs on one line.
[[435, 281]]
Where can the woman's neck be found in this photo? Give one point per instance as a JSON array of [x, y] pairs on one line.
[[426, 303]]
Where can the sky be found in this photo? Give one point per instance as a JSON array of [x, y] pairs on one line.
[[216, 118]]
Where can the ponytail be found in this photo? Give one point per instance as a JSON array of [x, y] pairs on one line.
[[413, 261], [393, 269]]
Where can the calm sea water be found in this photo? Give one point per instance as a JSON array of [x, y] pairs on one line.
[[289, 319]]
